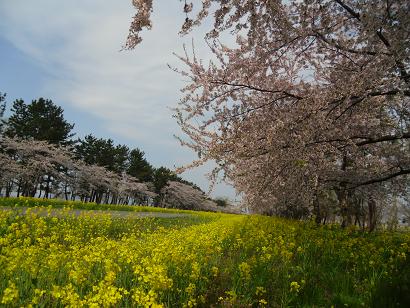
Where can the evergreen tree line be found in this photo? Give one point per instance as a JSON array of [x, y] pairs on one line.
[[42, 120]]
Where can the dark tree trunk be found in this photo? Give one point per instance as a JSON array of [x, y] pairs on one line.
[[65, 192], [114, 199], [32, 191], [107, 198], [93, 195], [9, 188], [316, 209], [372, 214], [98, 197], [47, 189], [342, 196], [19, 188]]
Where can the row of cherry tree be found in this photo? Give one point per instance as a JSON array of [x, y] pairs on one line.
[[308, 112], [38, 157], [38, 168]]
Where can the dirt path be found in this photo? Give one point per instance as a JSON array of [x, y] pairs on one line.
[[78, 212]]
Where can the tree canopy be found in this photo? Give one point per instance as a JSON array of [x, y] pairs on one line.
[[39, 120], [139, 167], [103, 152], [311, 100], [39, 156]]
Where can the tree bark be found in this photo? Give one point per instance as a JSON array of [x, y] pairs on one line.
[[372, 214]]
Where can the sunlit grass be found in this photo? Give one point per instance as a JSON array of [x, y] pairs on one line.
[[56, 203]]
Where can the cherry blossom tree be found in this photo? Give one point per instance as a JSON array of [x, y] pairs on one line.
[[312, 99], [8, 170], [29, 166], [182, 196], [132, 191], [31, 162]]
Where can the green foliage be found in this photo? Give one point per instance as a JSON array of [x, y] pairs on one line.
[[161, 176], [222, 202], [139, 167], [99, 151], [40, 120], [60, 204], [395, 290]]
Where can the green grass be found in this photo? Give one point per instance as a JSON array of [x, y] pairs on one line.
[[57, 203]]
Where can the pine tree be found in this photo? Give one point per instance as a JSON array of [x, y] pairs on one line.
[[40, 120]]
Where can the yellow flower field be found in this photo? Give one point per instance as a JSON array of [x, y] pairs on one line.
[[204, 259]]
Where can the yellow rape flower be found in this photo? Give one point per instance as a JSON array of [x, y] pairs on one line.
[[294, 286], [263, 302], [245, 270], [215, 271], [10, 294]]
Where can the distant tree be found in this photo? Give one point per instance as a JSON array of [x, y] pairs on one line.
[[223, 202], [9, 169], [85, 149], [96, 151], [103, 152], [183, 181], [139, 167], [40, 120], [30, 164], [161, 176], [2, 109], [130, 188], [26, 167], [121, 158], [182, 196]]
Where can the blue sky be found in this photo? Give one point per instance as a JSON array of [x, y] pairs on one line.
[[69, 51]]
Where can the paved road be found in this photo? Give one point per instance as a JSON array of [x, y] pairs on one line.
[[78, 212]]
